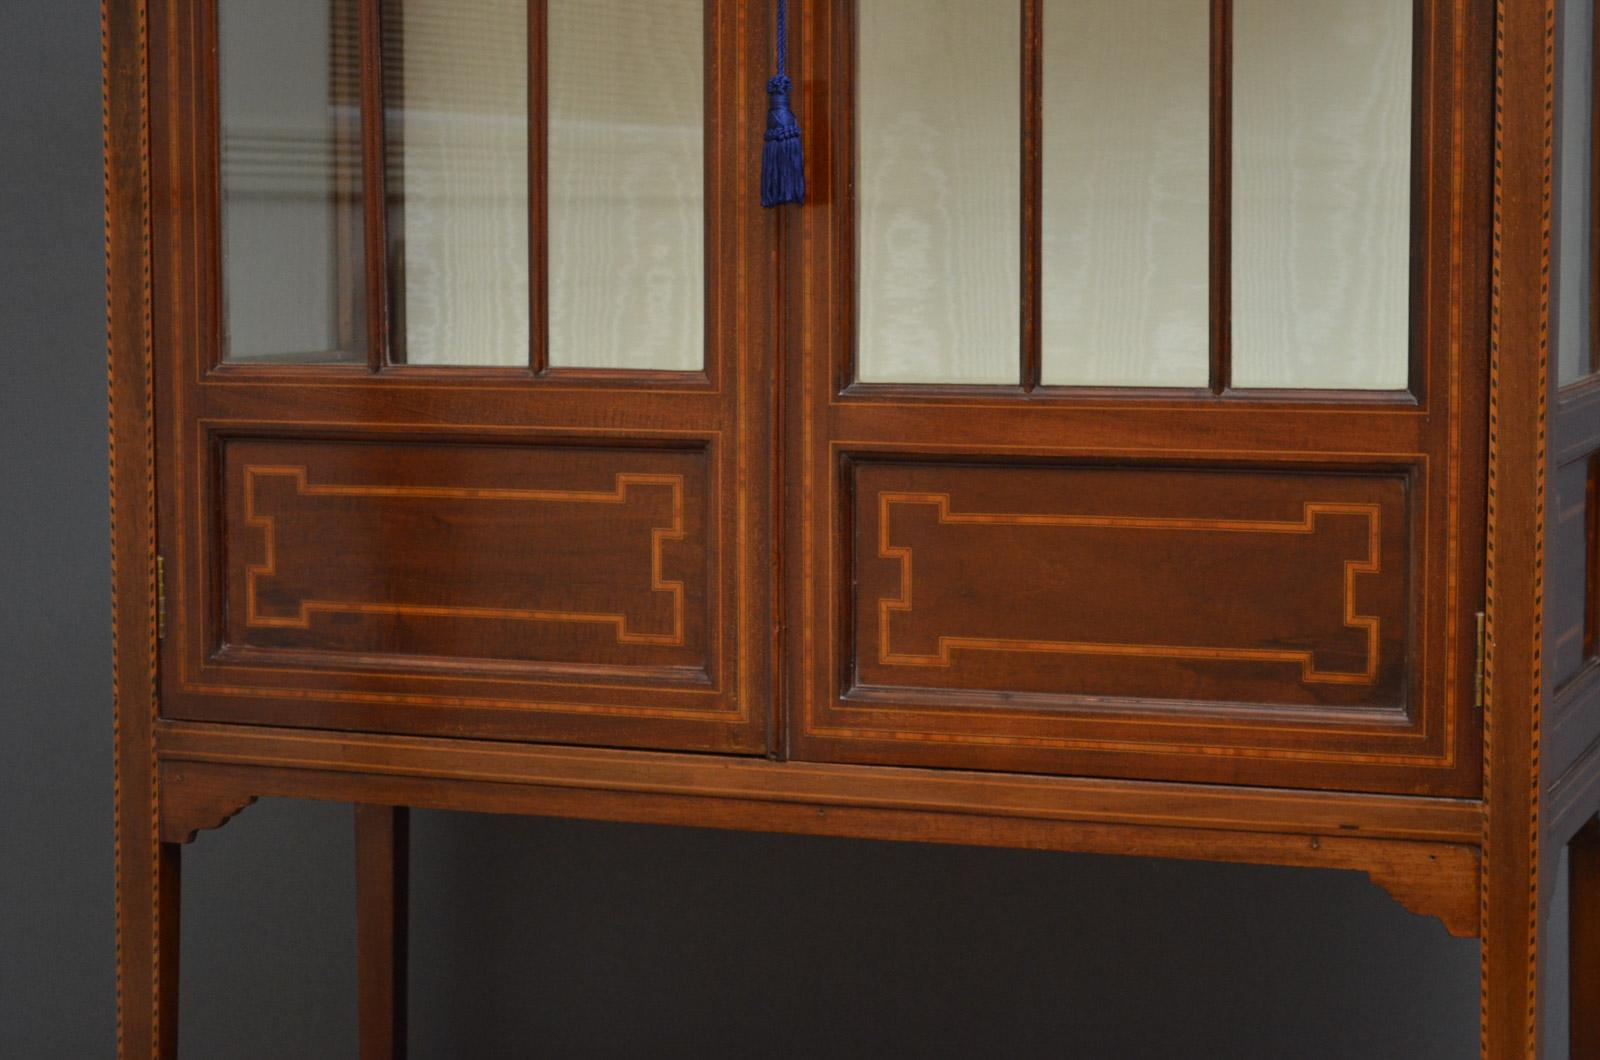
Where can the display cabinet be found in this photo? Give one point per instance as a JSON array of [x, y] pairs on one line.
[[1166, 427]]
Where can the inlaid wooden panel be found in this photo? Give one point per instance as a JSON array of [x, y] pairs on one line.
[[586, 557], [1241, 587]]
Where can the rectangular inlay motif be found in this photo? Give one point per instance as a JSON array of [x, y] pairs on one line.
[[527, 554], [1231, 586]]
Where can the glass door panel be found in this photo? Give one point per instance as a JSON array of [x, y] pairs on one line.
[[1182, 581], [939, 164], [292, 198], [540, 171], [467, 526], [1322, 179], [626, 184], [1575, 240], [456, 124], [1126, 144]]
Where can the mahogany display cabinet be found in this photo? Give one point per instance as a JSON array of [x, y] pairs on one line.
[[1166, 427]]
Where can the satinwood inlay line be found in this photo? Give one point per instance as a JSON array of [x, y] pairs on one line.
[[948, 645], [617, 495]]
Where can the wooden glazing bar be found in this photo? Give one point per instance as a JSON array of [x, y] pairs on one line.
[[538, 194], [1221, 191], [375, 200], [392, 85], [1032, 191]]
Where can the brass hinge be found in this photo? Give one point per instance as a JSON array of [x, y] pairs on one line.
[[161, 598], [1477, 673]]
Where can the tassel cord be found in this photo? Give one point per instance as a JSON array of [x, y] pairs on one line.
[[783, 177]]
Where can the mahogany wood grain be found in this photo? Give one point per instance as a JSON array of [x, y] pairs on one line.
[[1220, 249], [382, 849], [1519, 388], [539, 180], [147, 870], [1435, 435], [1567, 723], [579, 559], [1031, 303], [973, 579], [642, 773], [1583, 941], [187, 811], [440, 651], [1461, 831], [1434, 877]]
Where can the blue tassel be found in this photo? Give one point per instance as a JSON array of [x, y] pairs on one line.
[[783, 169]]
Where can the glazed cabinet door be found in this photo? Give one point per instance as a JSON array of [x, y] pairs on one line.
[[465, 367], [1139, 372]]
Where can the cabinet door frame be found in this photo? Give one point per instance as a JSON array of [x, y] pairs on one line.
[[1431, 437], [716, 422]]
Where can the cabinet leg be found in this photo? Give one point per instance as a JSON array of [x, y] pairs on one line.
[[1583, 940], [1509, 955], [382, 869], [147, 945]]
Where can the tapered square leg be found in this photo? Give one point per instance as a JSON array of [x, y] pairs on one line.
[[147, 946], [1583, 877], [382, 869]]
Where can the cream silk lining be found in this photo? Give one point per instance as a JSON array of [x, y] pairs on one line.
[[1321, 196], [626, 196]]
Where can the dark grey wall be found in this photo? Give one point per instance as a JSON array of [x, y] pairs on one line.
[[571, 938]]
